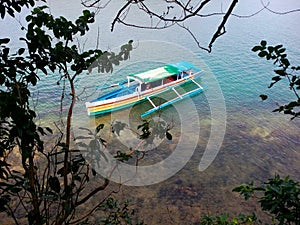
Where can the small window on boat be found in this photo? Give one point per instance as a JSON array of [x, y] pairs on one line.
[[170, 79], [144, 87], [156, 83]]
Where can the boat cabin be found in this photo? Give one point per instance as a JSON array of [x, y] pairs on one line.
[[160, 76]]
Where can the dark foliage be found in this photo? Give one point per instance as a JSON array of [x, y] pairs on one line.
[[279, 196], [284, 71]]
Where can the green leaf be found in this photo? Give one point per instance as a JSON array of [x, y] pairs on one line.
[[43, 70], [245, 189], [280, 72], [21, 51], [122, 157], [169, 136], [10, 12], [276, 78], [49, 130], [94, 173], [256, 48], [285, 61], [263, 53], [4, 41], [41, 130], [270, 49], [263, 97], [54, 184], [99, 127], [263, 43], [278, 47], [28, 18]]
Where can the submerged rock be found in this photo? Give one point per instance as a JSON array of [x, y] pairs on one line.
[[262, 132]]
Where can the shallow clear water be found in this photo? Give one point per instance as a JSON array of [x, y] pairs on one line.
[[257, 143]]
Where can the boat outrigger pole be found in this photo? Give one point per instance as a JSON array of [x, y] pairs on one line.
[[172, 101]]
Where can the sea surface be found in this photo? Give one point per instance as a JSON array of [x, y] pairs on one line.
[[228, 129]]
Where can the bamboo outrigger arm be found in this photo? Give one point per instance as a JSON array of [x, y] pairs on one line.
[[172, 101]]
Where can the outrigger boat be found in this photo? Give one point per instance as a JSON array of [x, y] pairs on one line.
[[147, 85]]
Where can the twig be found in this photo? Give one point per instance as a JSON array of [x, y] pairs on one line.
[[221, 29], [278, 13], [92, 193]]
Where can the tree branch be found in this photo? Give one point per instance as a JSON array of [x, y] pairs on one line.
[[221, 29], [276, 12], [117, 18], [177, 12], [92, 193], [194, 37]]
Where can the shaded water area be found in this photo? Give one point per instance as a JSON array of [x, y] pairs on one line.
[[257, 143], [253, 150]]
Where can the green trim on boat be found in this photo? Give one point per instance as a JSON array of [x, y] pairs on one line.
[[152, 75]]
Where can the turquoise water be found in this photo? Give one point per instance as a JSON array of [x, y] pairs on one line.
[[240, 73], [257, 142]]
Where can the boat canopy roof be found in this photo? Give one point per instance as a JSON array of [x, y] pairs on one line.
[[163, 72]]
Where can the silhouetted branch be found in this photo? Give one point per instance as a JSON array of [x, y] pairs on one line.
[[95, 4], [117, 18], [176, 13], [276, 12], [194, 37], [92, 193], [221, 29]]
